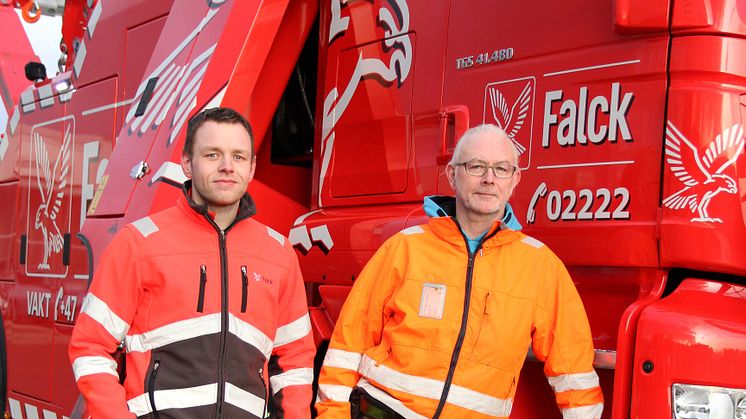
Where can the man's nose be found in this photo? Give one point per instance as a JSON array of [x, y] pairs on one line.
[[489, 176], [226, 164]]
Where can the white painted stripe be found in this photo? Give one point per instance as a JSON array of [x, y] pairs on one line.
[[294, 377], [342, 359], [166, 89], [14, 120], [93, 20], [100, 311], [321, 234], [31, 411], [15, 408], [276, 235], [217, 100], [303, 217], [81, 276], [46, 95], [578, 381], [590, 164], [584, 412], [29, 108], [243, 400], [145, 226], [389, 401], [293, 331], [27, 96], [89, 365], [413, 230], [178, 124], [169, 171], [106, 107], [334, 392], [175, 399], [66, 96], [250, 334], [432, 389], [299, 235], [174, 332], [79, 58], [52, 121], [49, 415], [4, 144], [593, 67], [532, 242]]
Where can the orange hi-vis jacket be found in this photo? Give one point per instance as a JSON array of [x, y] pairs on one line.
[[431, 330], [212, 321]]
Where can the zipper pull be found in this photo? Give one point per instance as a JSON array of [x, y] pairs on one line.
[[245, 293], [202, 283], [151, 387]]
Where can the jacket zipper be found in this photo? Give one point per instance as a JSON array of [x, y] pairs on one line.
[[202, 283], [224, 318], [222, 349], [151, 387], [266, 394], [245, 293], [464, 319]]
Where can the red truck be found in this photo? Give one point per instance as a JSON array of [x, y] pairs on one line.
[[628, 115]]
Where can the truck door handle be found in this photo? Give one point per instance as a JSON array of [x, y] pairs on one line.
[[454, 121]]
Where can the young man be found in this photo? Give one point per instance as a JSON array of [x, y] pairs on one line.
[[210, 303], [438, 323]]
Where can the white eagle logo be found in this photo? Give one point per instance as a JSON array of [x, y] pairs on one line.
[[701, 182], [511, 119], [52, 182]]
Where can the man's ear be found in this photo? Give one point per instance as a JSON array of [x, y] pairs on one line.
[[451, 175], [186, 165]]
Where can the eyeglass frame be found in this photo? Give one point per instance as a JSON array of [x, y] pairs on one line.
[[487, 166]]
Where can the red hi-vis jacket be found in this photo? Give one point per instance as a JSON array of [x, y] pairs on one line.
[[433, 331], [213, 321]]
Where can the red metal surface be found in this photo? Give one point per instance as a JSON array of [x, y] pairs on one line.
[[696, 335], [398, 81], [686, 239]]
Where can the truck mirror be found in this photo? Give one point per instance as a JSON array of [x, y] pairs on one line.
[[35, 72]]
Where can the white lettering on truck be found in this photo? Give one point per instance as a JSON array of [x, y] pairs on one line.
[[578, 123]]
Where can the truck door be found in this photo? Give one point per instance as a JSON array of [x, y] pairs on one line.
[[583, 100], [47, 162], [583, 104]]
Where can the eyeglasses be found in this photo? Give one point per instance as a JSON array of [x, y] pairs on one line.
[[479, 168]]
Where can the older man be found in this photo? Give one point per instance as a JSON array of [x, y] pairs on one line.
[[439, 322]]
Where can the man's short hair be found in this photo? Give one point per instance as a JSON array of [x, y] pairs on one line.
[[220, 115], [483, 129]]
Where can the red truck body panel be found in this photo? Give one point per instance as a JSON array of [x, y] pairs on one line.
[[628, 116]]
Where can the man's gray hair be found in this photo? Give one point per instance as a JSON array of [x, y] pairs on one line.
[[483, 129]]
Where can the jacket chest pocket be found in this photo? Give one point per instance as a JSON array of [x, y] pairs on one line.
[[503, 330], [254, 289]]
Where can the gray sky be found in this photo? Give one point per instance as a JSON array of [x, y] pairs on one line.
[[45, 36]]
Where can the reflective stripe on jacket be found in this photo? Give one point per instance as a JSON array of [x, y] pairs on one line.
[[212, 321], [426, 323]]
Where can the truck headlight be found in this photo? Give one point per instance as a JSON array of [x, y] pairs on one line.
[[741, 409], [708, 402]]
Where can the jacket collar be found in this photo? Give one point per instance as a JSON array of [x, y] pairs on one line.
[[445, 206], [246, 207], [442, 211]]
